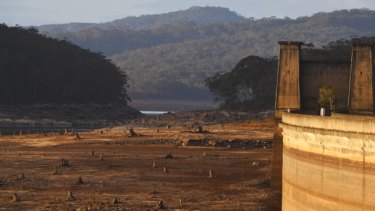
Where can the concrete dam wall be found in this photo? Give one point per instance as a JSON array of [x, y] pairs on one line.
[[328, 162]]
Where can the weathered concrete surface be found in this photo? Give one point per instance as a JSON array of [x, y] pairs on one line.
[[328, 162], [322, 73], [288, 76], [287, 97], [277, 157], [361, 95]]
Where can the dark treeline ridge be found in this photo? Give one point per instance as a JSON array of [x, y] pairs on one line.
[[252, 83], [37, 69]]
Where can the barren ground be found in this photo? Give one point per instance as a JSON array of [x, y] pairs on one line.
[[126, 172]]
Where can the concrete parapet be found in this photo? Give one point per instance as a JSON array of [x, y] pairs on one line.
[[328, 162]]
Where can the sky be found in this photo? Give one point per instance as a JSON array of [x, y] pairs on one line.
[[38, 12]]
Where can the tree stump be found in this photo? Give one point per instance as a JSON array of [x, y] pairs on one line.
[[154, 165], [131, 132], [70, 196], [92, 152], [101, 157], [64, 162], [77, 136], [79, 181], [15, 198], [160, 205], [54, 171], [169, 155], [115, 201], [166, 171], [199, 129], [211, 174], [21, 176]]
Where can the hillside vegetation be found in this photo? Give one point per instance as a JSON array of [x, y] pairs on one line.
[[36, 69], [170, 59]]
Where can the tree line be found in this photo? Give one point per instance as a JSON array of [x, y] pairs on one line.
[[37, 69]]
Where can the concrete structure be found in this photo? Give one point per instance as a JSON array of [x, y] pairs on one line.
[[325, 162], [288, 77], [328, 162], [362, 76]]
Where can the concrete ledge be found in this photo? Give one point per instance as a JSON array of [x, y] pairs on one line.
[[345, 123]]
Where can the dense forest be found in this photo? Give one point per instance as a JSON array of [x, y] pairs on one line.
[[37, 69], [173, 58], [250, 85]]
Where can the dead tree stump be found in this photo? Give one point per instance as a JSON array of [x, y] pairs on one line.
[[70, 196], [154, 165], [115, 201], [77, 136], [160, 205], [64, 162], [168, 155], [101, 156], [92, 152], [166, 171], [15, 198], [79, 181], [211, 174], [199, 129], [131, 132], [21, 176], [54, 171]]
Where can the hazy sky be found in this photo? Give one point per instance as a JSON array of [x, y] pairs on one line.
[[36, 12]]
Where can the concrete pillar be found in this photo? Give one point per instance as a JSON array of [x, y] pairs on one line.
[[288, 96], [361, 89]]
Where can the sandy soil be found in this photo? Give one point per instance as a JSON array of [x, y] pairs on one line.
[[126, 172]]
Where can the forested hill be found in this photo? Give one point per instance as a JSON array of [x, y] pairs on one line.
[[35, 70], [199, 15], [174, 60]]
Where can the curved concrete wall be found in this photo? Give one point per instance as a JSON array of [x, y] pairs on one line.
[[328, 162]]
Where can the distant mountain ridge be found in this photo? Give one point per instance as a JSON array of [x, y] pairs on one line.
[[173, 60], [198, 15]]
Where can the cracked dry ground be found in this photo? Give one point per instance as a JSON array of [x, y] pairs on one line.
[[126, 172]]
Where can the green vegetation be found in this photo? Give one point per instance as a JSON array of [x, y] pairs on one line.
[[327, 97], [36, 69], [250, 85]]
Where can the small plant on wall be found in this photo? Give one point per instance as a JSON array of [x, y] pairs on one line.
[[327, 97]]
